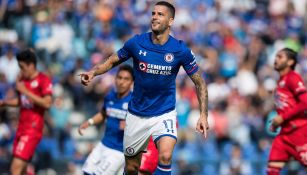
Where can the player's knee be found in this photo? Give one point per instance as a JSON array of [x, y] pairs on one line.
[[273, 170], [165, 157], [131, 169]]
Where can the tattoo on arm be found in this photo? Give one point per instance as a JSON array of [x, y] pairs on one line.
[[202, 92], [108, 64]]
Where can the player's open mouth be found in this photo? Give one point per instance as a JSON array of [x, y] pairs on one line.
[[155, 23]]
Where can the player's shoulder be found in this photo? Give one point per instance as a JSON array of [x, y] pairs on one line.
[[42, 76], [292, 75], [110, 94]]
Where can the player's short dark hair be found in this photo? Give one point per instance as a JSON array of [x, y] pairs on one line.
[[28, 56], [127, 68], [291, 54], [169, 6]]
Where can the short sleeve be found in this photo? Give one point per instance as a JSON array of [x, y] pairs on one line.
[[46, 86], [189, 63], [296, 84], [126, 51]]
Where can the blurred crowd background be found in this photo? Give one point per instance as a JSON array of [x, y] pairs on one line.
[[234, 41]]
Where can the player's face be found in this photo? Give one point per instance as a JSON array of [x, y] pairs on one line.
[[26, 70], [123, 81], [161, 19], [281, 61]]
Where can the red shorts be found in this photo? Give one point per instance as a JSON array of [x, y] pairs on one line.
[[25, 144], [289, 145], [150, 158]]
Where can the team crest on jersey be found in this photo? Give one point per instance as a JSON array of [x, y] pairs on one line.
[[125, 106], [169, 57], [282, 84], [34, 84]]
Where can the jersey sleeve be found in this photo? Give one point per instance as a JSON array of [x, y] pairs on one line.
[[126, 51], [189, 63], [46, 86], [296, 84]]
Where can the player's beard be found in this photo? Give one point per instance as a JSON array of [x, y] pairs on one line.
[[160, 29], [280, 67]]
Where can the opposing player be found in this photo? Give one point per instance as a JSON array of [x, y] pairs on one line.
[[107, 157], [149, 160], [34, 97], [157, 58], [291, 106]]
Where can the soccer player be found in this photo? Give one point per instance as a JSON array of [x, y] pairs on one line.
[[34, 97], [149, 161], [157, 57], [107, 157], [291, 105]]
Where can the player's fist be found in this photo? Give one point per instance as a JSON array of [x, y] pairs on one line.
[[20, 87], [86, 77], [276, 122]]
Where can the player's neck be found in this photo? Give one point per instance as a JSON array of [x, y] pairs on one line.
[[122, 95], [34, 74], [160, 38], [284, 71]]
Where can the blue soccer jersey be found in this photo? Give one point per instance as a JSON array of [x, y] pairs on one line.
[[116, 110], [155, 70]]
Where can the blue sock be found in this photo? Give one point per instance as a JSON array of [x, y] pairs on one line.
[[163, 169]]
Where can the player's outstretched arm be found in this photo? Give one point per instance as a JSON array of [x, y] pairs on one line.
[[202, 95], [96, 119], [110, 62], [10, 102]]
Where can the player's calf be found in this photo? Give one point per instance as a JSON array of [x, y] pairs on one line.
[[163, 169]]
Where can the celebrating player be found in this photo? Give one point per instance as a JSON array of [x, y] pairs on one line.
[[107, 157], [157, 57], [291, 106], [34, 97]]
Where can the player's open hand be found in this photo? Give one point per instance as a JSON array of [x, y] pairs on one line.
[[202, 126], [86, 77], [82, 127]]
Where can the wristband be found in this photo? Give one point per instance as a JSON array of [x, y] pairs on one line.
[[90, 121]]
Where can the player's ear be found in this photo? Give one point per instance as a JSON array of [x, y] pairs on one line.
[[290, 62], [171, 21]]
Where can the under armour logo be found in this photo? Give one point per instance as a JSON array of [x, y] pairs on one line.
[[142, 53]]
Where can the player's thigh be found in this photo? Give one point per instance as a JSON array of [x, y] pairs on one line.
[[18, 165], [136, 135], [25, 145], [93, 159], [298, 142], [279, 150], [165, 127], [112, 164], [103, 160]]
